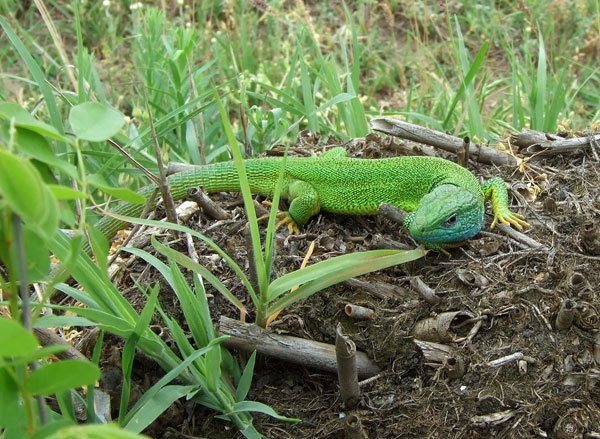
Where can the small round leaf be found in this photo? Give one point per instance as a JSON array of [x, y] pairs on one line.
[[95, 122]]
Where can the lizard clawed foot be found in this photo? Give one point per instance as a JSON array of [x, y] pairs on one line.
[[510, 218], [285, 218]]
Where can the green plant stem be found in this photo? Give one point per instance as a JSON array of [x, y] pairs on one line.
[[22, 271], [26, 318]]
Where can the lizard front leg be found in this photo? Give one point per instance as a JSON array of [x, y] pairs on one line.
[[495, 189]]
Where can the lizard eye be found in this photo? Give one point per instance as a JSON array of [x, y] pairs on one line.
[[451, 221]]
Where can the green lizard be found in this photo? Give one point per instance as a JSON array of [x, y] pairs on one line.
[[445, 201]]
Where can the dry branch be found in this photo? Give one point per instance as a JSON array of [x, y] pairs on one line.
[[547, 144], [416, 133], [345, 351], [314, 354]]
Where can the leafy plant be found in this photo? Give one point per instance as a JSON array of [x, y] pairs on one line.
[[20, 385]]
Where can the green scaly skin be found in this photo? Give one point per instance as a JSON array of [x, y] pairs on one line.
[[445, 200]]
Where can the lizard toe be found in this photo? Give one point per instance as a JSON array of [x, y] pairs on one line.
[[511, 219], [285, 218]]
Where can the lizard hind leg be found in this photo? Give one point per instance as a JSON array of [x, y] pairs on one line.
[[304, 204]]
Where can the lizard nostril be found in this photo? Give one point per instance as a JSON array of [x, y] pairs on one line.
[[423, 230]]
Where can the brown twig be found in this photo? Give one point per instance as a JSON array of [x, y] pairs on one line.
[[208, 206], [136, 228], [546, 144], [345, 354], [447, 142], [249, 337], [163, 184]]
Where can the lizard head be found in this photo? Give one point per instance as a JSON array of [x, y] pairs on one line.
[[446, 216]]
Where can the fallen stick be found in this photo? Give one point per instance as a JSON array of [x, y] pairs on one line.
[[309, 353], [546, 144], [416, 133], [521, 237]]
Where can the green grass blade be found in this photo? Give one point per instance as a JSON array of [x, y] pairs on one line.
[[558, 102], [128, 355], [192, 309], [130, 418], [190, 264], [475, 66], [322, 269], [166, 225], [39, 77], [246, 380], [246, 194], [347, 271], [474, 120], [539, 89], [307, 96]]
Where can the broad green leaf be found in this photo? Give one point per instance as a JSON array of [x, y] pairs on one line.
[[65, 192], [15, 340], [35, 145], [95, 431], [40, 353], [22, 118], [13, 416], [37, 257], [94, 121], [25, 193], [121, 193], [61, 375]]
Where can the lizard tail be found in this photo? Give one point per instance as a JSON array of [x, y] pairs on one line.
[[212, 178]]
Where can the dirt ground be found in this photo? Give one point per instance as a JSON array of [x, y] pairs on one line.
[[509, 292]]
